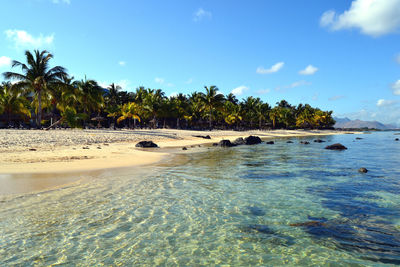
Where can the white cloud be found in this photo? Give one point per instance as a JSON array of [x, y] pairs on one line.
[[159, 80], [173, 94], [122, 83], [201, 14], [396, 87], [22, 39], [238, 91], [385, 103], [309, 70], [372, 17], [62, 1], [122, 63], [5, 61], [398, 58], [263, 91], [336, 97], [189, 81], [274, 68]]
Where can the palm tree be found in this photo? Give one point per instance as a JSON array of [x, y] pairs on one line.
[[212, 101], [179, 106], [152, 102], [232, 113], [129, 111], [12, 101], [273, 115], [261, 110], [112, 102], [90, 96], [37, 76]]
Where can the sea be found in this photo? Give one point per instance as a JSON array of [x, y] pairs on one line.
[[281, 204]]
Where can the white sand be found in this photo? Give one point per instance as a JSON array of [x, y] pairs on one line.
[[55, 151]]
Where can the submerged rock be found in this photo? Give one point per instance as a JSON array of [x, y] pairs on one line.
[[309, 224], [397, 139], [225, 143], [336, 146], [359, 138], [239, 141], [252, 140], [362, 170], [319, 141], [256, 211], [184, 148], [270, 143], [146, 144], [289, 142], [304, 142]]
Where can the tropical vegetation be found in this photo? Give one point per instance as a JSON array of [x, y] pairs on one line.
[[43, 96]]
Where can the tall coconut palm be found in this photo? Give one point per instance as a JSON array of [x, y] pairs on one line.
[[12, 101], [36, 77], [273, 115], [129, 111], [212, 101], [90, 96]]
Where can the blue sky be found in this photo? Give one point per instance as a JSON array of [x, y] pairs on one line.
[[337, 55]]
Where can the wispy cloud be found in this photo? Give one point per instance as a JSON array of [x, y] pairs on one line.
[[159, 80], [189, 81], [201, 14], [372, 17], [396, 87], [385, 103], [122, 63], [336, 97], [274, 68], [309, 70], [5, 61], [398, 58], [23, 39], [263, 91], [62, 1], [238, 91], [292, 85]]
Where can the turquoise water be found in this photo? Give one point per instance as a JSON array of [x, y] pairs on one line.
[[262, 205]]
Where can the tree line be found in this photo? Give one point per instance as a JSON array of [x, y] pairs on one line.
[[41, 96]]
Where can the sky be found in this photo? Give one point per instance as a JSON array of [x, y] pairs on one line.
[[337, 55]]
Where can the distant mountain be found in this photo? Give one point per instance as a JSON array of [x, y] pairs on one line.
[[347, 123]]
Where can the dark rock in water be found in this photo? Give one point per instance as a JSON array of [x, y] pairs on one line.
[[225, 143], [85, 147], [319, 141], [336, 146], [289, 142], [309, 224], [146, 144], [270, 143], [252, 140], [359, 138], [184, 148], [261, 228], [239, 141], [362, 170], [32, 149], [256, 211], [203, 136], [397, 139], [304, 142]]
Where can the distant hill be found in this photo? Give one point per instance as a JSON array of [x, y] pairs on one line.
[[347, 123]]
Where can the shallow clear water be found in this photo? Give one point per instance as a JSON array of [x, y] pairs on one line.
[[278, 204]]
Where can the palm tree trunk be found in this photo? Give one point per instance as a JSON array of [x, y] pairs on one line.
[[210, 120], [177, 123], [39, 113]]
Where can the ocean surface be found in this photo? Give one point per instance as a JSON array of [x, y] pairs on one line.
[[262, 205]]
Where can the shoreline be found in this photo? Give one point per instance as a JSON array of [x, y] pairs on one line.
[[32, 151], [34, 160]]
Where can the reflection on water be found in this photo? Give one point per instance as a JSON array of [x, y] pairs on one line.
[[278, 204]]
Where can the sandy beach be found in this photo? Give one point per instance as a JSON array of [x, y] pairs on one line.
[[61, 151]]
